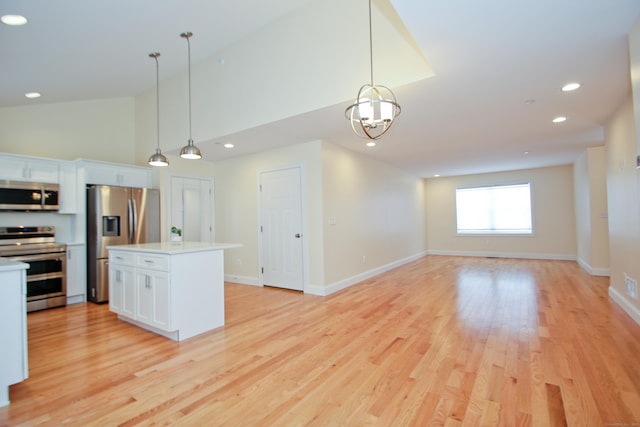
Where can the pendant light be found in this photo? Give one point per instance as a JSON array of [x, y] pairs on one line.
[[375, 108], [158, 159], [189, 151]]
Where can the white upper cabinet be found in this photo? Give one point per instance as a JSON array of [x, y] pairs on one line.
[[68, 188], [102, 173], [23, 168]]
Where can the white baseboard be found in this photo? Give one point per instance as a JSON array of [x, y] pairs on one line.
[[342, 284], [522, 255], [315, 290], [243, 280], [605, 272], [75, 299], [593, 271], [625, 304]]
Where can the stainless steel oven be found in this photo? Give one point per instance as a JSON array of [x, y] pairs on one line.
[[46, 275]]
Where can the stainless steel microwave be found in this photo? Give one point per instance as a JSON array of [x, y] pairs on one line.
[[29, 196]]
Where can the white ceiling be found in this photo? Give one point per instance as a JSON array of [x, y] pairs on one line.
[[489, 58]]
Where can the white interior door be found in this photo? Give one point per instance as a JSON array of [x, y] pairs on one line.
[[192, 208], [281, 228]]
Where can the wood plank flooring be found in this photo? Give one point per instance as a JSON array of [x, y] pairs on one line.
[[446, 341]]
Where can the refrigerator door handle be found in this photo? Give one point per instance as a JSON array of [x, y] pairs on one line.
[[131, 221], [134, 209]]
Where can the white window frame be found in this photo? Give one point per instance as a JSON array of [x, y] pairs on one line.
[[489, 232]]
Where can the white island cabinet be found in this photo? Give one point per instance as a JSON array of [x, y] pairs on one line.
[[14, 366], [175, 289]]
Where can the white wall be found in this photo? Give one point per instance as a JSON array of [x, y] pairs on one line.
[[378, 212], [373, 215], [292, 67], [623, 188], [590, 193], [634, 60], [236, 196], [599, 210], [583, 213], [99, 130], [553, 216]]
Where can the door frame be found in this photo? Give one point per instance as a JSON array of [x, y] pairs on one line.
[[303, 222], [167, 202]]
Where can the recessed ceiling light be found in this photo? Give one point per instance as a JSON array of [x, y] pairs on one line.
[[570, 86], [371, 144], [529, 101], [14, 20], [228, 145], [436, 175], [526, 152], [559, 119], [32, 95]]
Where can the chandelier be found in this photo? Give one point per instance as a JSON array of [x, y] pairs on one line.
[[375, 108]]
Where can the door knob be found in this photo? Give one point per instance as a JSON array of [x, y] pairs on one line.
[[297, 235]]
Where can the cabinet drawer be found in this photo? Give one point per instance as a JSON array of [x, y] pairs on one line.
[[125, 258], [155, 262]]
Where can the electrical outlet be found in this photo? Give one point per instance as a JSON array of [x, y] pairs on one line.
[[364, 259], [632, 287]]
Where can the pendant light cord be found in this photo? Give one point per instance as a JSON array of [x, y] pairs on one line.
[[370, 44], [189, 59], [157, 99], [155, 56], [189, 151]]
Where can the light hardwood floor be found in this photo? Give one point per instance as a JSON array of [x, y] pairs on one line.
[[440, 341]]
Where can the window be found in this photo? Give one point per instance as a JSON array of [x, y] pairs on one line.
[[500, 209]]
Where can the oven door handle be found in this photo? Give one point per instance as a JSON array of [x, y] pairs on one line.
[[60, 256]]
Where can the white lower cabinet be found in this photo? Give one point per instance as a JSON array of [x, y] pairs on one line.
[[139, 288], [122, 289], [152, 298], [14, 358], [175, 289], [76, 278]]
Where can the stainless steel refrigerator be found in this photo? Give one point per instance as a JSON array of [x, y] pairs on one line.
[[116, 216]]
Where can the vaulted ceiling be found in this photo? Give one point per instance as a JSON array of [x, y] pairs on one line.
[[479, 82]]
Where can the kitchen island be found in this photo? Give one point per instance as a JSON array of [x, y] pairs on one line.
[[14, 360], [175, 289]]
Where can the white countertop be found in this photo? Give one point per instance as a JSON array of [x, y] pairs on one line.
[[10, 265], [175, 247]]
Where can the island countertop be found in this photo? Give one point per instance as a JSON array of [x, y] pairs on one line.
[[175, 247], [10, 265]]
